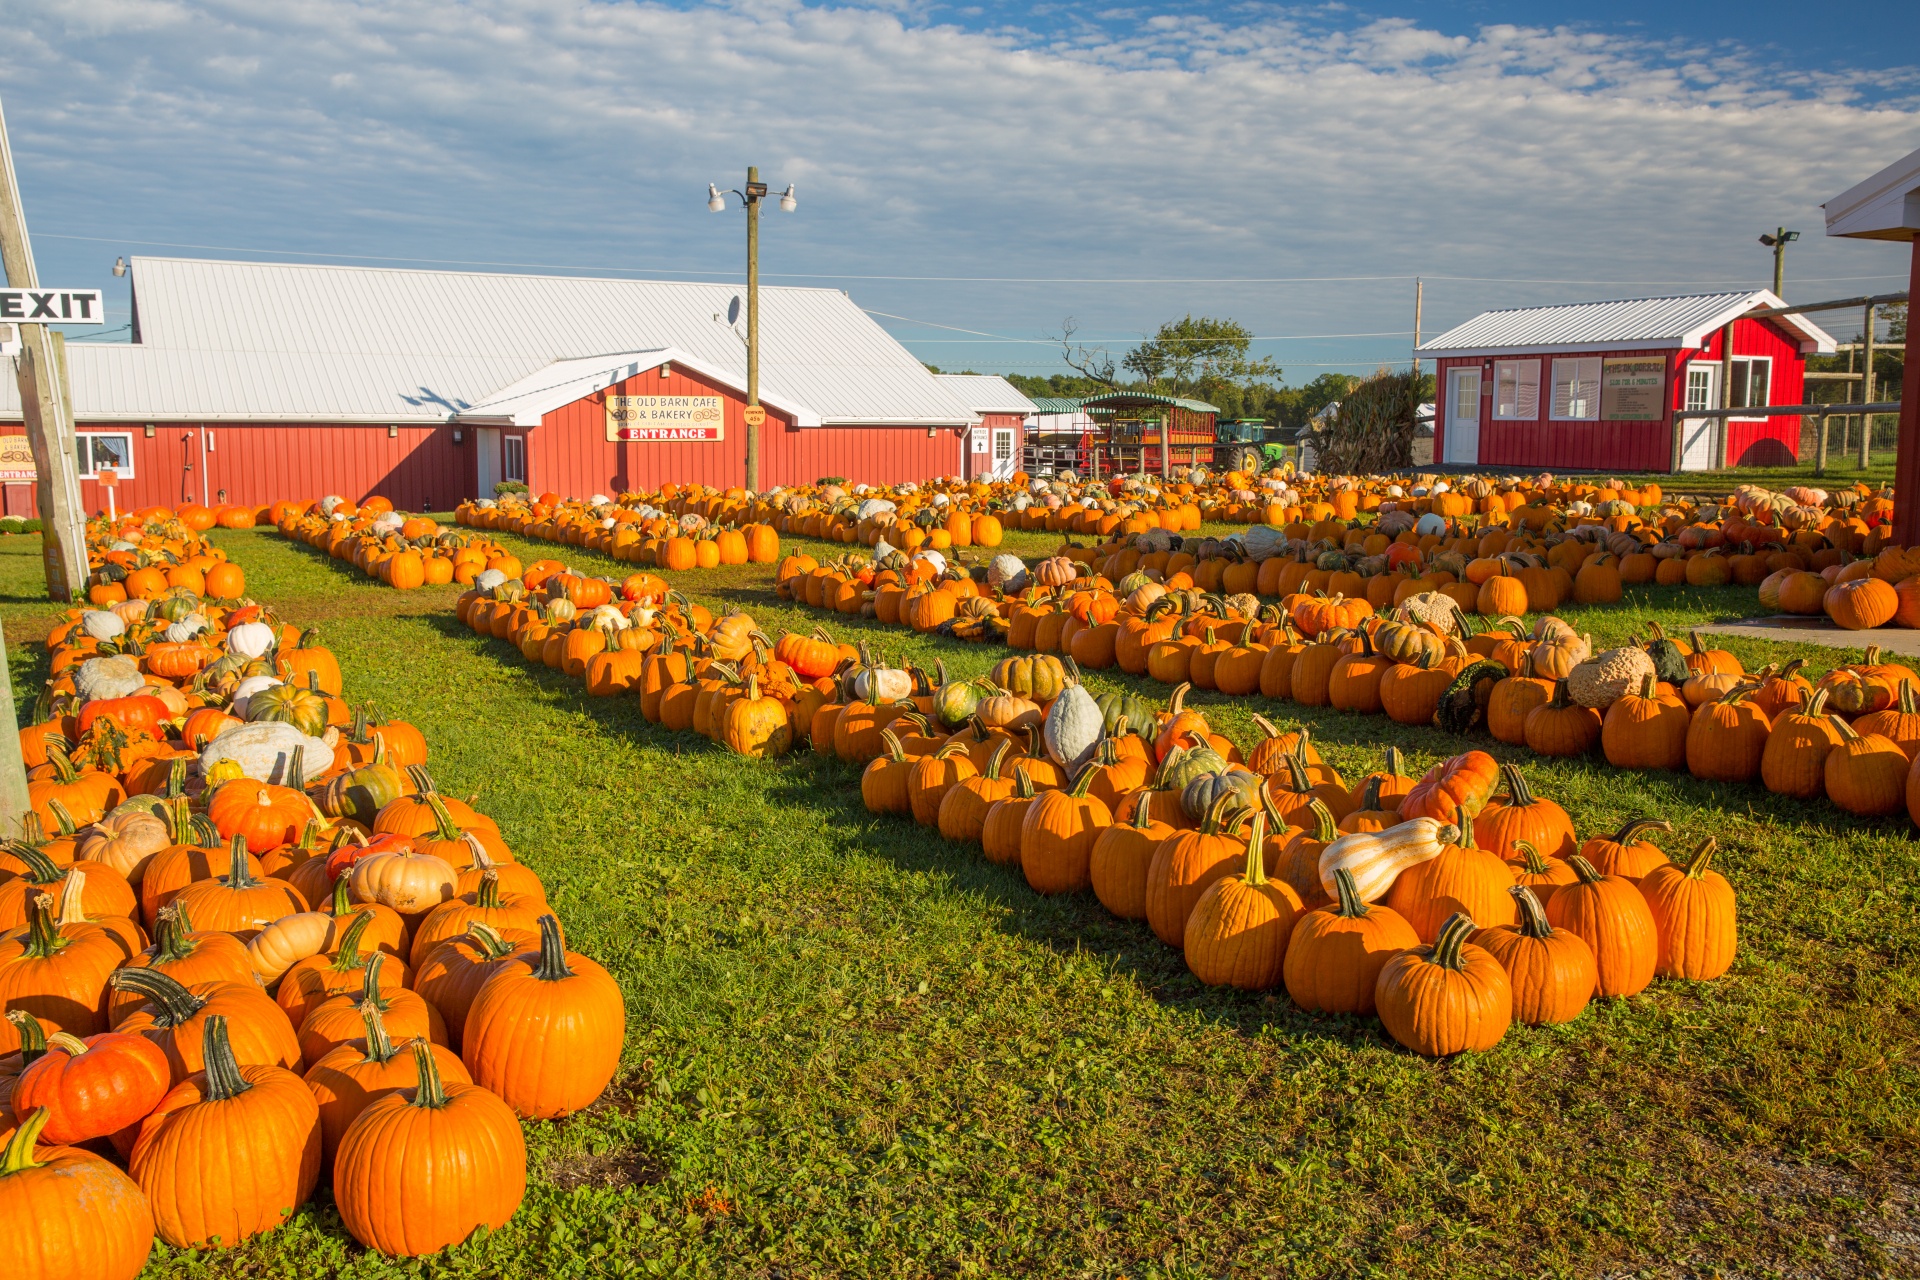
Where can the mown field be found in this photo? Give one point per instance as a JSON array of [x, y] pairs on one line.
[[856, 1050]]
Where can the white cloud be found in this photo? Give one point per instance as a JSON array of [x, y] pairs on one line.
[[569, 131]]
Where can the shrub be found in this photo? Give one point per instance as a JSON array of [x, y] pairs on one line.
[[509, 486]]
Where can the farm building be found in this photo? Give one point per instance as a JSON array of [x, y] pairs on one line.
[[994, 446], [1605, 385], [247, 382]]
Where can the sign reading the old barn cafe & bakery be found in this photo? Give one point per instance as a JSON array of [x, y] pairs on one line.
[[665, 418]]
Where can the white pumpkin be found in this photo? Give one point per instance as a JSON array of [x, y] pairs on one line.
[[1072, 728], [1263, 542], [1006, 572], [1375, 859], [880, 685], [264, 751], [488, 579], [244, 691], [934, 558], [251, 639], [102, 624], [185, 629], [1430, 523], [114, 677]]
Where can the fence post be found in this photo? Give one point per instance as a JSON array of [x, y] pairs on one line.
[[1820, 466], [1866, 393]]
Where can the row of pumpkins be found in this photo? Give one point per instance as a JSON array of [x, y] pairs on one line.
[[250, 947], [1434, 657], [634, 534], [1448, 913]]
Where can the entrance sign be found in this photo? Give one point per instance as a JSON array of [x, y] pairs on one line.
[[16, 461], [52, 306], [1634, 389], [657, 418]]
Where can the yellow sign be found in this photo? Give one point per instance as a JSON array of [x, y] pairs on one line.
[[1633, 389], [650, 418], [755, 415], [16, 461]]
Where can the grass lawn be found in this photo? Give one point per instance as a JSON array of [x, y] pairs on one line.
[[1842, 469], [854, 1049]]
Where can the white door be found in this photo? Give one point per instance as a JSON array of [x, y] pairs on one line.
[[1463, 417], [1699, 437], [486, 456], [1004, 462]]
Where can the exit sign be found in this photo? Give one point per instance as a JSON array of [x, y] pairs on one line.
[[52, 306]]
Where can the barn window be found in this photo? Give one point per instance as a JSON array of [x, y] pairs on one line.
[[105, 451], [1576, 389], [513, 458], [1700, 382], [1516, 389], [1752, 377]]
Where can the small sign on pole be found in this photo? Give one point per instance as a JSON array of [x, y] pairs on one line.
[[109, 479], [755, 415]]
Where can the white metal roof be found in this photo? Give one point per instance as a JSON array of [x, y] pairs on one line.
[[1605, 326], [986, 393], [251, 341], [1884, 207], [526, 402]]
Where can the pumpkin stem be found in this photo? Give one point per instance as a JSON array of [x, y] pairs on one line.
[[19, 1157], [891, 743], [379, 1045], [174, 940], [1266, 726], [1536, 864], [1022, 783], [347, 958], [175, 1003], [1393, 759], [1298, 779], [1466, 831], [33, 1037], [1348, 894], [1000, 752], [1533, 916], [1702, 859], [492, 945], [1635, 826], [239, 874], [40, 868], [1324, 829], [1141, 818], [487, 896], [1177, 699], [1584, 869], [1370, 793], [1445, 951], [1256, 850], [445, 828], [68, 1043], [1084, 780], [223, 1078], [553, 955], [429, 1092], [177, 778], [370, 982], [1519, 795], [297, 769]]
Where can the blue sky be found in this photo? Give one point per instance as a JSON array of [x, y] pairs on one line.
[[987, 169]]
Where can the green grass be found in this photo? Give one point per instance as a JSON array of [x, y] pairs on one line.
[[853, 1049], [1842, 469]]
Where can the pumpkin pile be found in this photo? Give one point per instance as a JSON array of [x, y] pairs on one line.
[[248, 946], [403, 551], [673, 529], [144, 554]]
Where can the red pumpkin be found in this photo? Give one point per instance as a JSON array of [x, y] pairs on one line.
[[96, 1087]]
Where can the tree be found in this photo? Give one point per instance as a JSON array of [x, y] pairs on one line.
[[1196, 356]]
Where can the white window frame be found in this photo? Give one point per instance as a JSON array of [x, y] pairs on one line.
[[1520, 369], [89, 468], [1750, 361], [1574, 368], [1710, 375], [509, 446], [1002, 445]]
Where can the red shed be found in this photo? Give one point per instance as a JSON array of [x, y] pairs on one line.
[[995, 446], [246, 382], [1604, 386]]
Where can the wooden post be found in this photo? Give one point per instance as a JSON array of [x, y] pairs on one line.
[[1820, 467], [1866, 391], [1726, 394], [1166, 447], [44, 406], [1906, 466]]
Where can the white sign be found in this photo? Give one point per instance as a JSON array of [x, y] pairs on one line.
[[665, 418], [52, 306], [979, 435], [9, 339]]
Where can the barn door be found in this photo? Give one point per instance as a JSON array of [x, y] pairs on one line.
[[486, 457], [1700, 437], [1463, 417]]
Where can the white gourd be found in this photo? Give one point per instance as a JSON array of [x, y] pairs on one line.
[[102, 624], [251, 639], [488, 579], [1263, 542], [114, 677], [244, 691], [1072, 728], [264, 751], [880, 685], [1375, 859], [1006, 572]]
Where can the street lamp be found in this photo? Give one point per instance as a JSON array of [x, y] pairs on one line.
[[1778, 242], [755, 192]]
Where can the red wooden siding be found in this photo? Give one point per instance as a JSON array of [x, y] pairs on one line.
[[981, 464], [570, 454], [420, 469], [1631, 446]]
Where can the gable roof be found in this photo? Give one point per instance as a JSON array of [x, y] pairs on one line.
[[525, 402], [986, 392], [249, 341], [1884, 207], [1681, 321]]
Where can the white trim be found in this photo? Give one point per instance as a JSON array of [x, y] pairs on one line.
[[1591, 400], [1750, 361], [1884, 207], [509, 446], [1521, 381], [88, 470]]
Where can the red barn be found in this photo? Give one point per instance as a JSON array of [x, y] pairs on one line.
[[247, 382], [994, 446], [1604, 386]]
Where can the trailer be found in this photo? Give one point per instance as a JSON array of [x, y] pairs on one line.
[[1142, 432]]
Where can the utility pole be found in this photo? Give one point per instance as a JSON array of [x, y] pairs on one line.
[[1866, 387], [1778, 242], [754, 416], [1419, 293], [44, 406]]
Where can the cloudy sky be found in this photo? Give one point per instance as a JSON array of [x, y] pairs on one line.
[[985, 169]]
